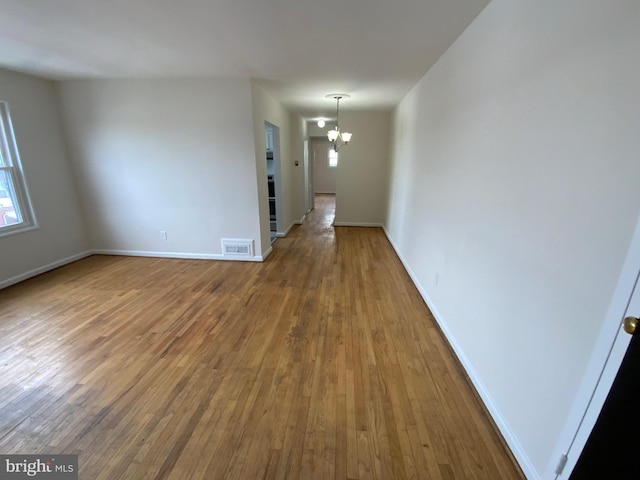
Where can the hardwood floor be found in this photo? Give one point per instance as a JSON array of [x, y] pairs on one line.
[[322, 362]]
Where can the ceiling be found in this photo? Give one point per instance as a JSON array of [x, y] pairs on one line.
[[299, 50]]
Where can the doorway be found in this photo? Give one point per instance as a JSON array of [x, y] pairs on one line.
[[324, 167], [308, 187], [325, 211], [322, 181], [605, 363], [309, 175], [274, 180]]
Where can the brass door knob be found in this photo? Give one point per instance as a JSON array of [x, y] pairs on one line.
[[630, 325]]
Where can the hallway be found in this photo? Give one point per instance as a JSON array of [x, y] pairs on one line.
[[322, 362]]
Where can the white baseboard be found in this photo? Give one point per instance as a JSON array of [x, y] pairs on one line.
[[43, 269], [193, 256], [266, 254], [127, 253], [516, 448], [286, 232], [324, 193], [301, 221], [357, 224]]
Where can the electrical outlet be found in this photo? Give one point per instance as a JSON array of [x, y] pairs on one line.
[[163, 235]]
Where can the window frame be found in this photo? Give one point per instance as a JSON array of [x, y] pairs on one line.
[[12, 167], [330, 153]]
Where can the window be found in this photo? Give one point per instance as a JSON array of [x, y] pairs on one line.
[[333, 158], [15, 209]]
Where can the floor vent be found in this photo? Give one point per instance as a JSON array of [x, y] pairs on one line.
[[234, 247]]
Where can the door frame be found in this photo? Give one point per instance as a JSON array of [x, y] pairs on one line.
[[603, 365], [316, 143], [308, 178], [313, 140], [277, 176]]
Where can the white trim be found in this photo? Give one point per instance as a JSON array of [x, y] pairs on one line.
[[194, 256], [301, 221], [127, 253], [357, 224], [9, 146], [18, 228], [45, 268], [325, 193], [511, 440], [286, 232]]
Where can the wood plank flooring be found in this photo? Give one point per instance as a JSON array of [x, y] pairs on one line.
[[322, 362]]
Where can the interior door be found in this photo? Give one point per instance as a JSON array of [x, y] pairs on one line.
[[610, 449]]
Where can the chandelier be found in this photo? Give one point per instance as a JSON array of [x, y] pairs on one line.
[[337, 138]]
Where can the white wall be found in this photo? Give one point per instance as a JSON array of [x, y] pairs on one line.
[[514, 182], [324, 178], [315, 131], [164, 155], [266, 108], [45, 161], [363, 169]]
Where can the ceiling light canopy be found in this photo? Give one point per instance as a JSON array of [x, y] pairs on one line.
[[337, 138]]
